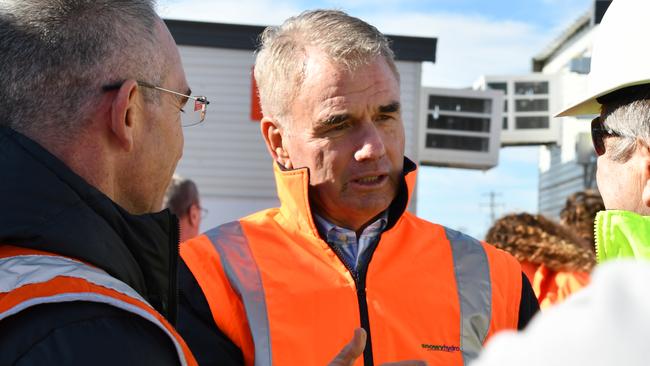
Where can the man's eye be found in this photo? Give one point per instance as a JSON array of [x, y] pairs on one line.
[[183, 101], [340, 126], [384, 117]]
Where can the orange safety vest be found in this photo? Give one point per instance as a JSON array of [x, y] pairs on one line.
[[32, 277], [281, 294], [552, 287]]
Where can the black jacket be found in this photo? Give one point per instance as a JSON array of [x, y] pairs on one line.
[[211, 346], [46, 206]]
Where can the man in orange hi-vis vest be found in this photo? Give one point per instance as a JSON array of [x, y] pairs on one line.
[[289, 285], [90, 133]]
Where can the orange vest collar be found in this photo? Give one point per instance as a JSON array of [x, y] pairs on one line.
[[293, 192]]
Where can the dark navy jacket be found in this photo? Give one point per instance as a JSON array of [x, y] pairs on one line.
[[46, 206]]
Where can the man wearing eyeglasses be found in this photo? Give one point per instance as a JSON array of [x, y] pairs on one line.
[[92, 100], [182, 199], [607, 323]]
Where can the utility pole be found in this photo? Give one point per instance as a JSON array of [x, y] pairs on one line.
[[492, 205]]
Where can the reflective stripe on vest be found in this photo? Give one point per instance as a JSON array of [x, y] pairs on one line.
[[471, 270], [24, 270], [242, 272]]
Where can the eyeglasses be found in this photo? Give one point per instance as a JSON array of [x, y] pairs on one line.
[[188, 117], [598, 134], [204, 212]]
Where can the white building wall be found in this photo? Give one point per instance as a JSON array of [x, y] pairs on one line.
[[558, 183], [560, 174], [226, 155], [410, 84], [578, 46]]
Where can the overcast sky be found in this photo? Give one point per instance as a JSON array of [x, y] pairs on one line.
[[475, 37]]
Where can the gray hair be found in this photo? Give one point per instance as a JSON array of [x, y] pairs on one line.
[[181, 194], [279, 67], [56, 55], [628, 114]]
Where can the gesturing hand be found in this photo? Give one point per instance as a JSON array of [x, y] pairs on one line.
[[354, 350]]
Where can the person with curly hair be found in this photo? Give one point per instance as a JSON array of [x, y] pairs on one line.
[[580, 212], [608, 322], [556, 260]]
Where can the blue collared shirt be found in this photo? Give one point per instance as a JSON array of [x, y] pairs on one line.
[[346, 240]]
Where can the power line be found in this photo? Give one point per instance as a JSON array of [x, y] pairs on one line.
[[492, 205]]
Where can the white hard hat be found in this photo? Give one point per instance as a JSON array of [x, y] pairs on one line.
[[620, 56]]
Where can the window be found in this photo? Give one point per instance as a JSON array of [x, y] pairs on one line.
[[531, 105], [457, 142], [498, 86], [458, 123], [458, 104], [531, 87], [524, 123], [581, 65]]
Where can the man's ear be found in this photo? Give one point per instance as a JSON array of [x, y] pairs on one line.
[[644, 160], [274, 138], [125, 111], [194, 215]]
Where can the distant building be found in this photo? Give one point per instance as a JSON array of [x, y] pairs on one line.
[[569, 165], [527, 109], [460, 128], [558, 78]]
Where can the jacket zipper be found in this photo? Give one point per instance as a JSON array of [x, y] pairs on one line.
[[174, 250], [359, 278]]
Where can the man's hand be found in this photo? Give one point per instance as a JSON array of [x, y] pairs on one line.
[[354, 350]]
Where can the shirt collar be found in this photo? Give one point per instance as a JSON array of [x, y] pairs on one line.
[[326, 228]]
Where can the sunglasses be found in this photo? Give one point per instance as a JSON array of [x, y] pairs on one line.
[[598, 134]]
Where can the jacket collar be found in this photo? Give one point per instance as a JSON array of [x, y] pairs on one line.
[[293, 192], [622, 234], [46, 206]]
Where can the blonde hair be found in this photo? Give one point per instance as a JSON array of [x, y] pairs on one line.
[[279, 67]]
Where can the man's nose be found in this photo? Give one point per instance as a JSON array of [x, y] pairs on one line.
[[371, 143]]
